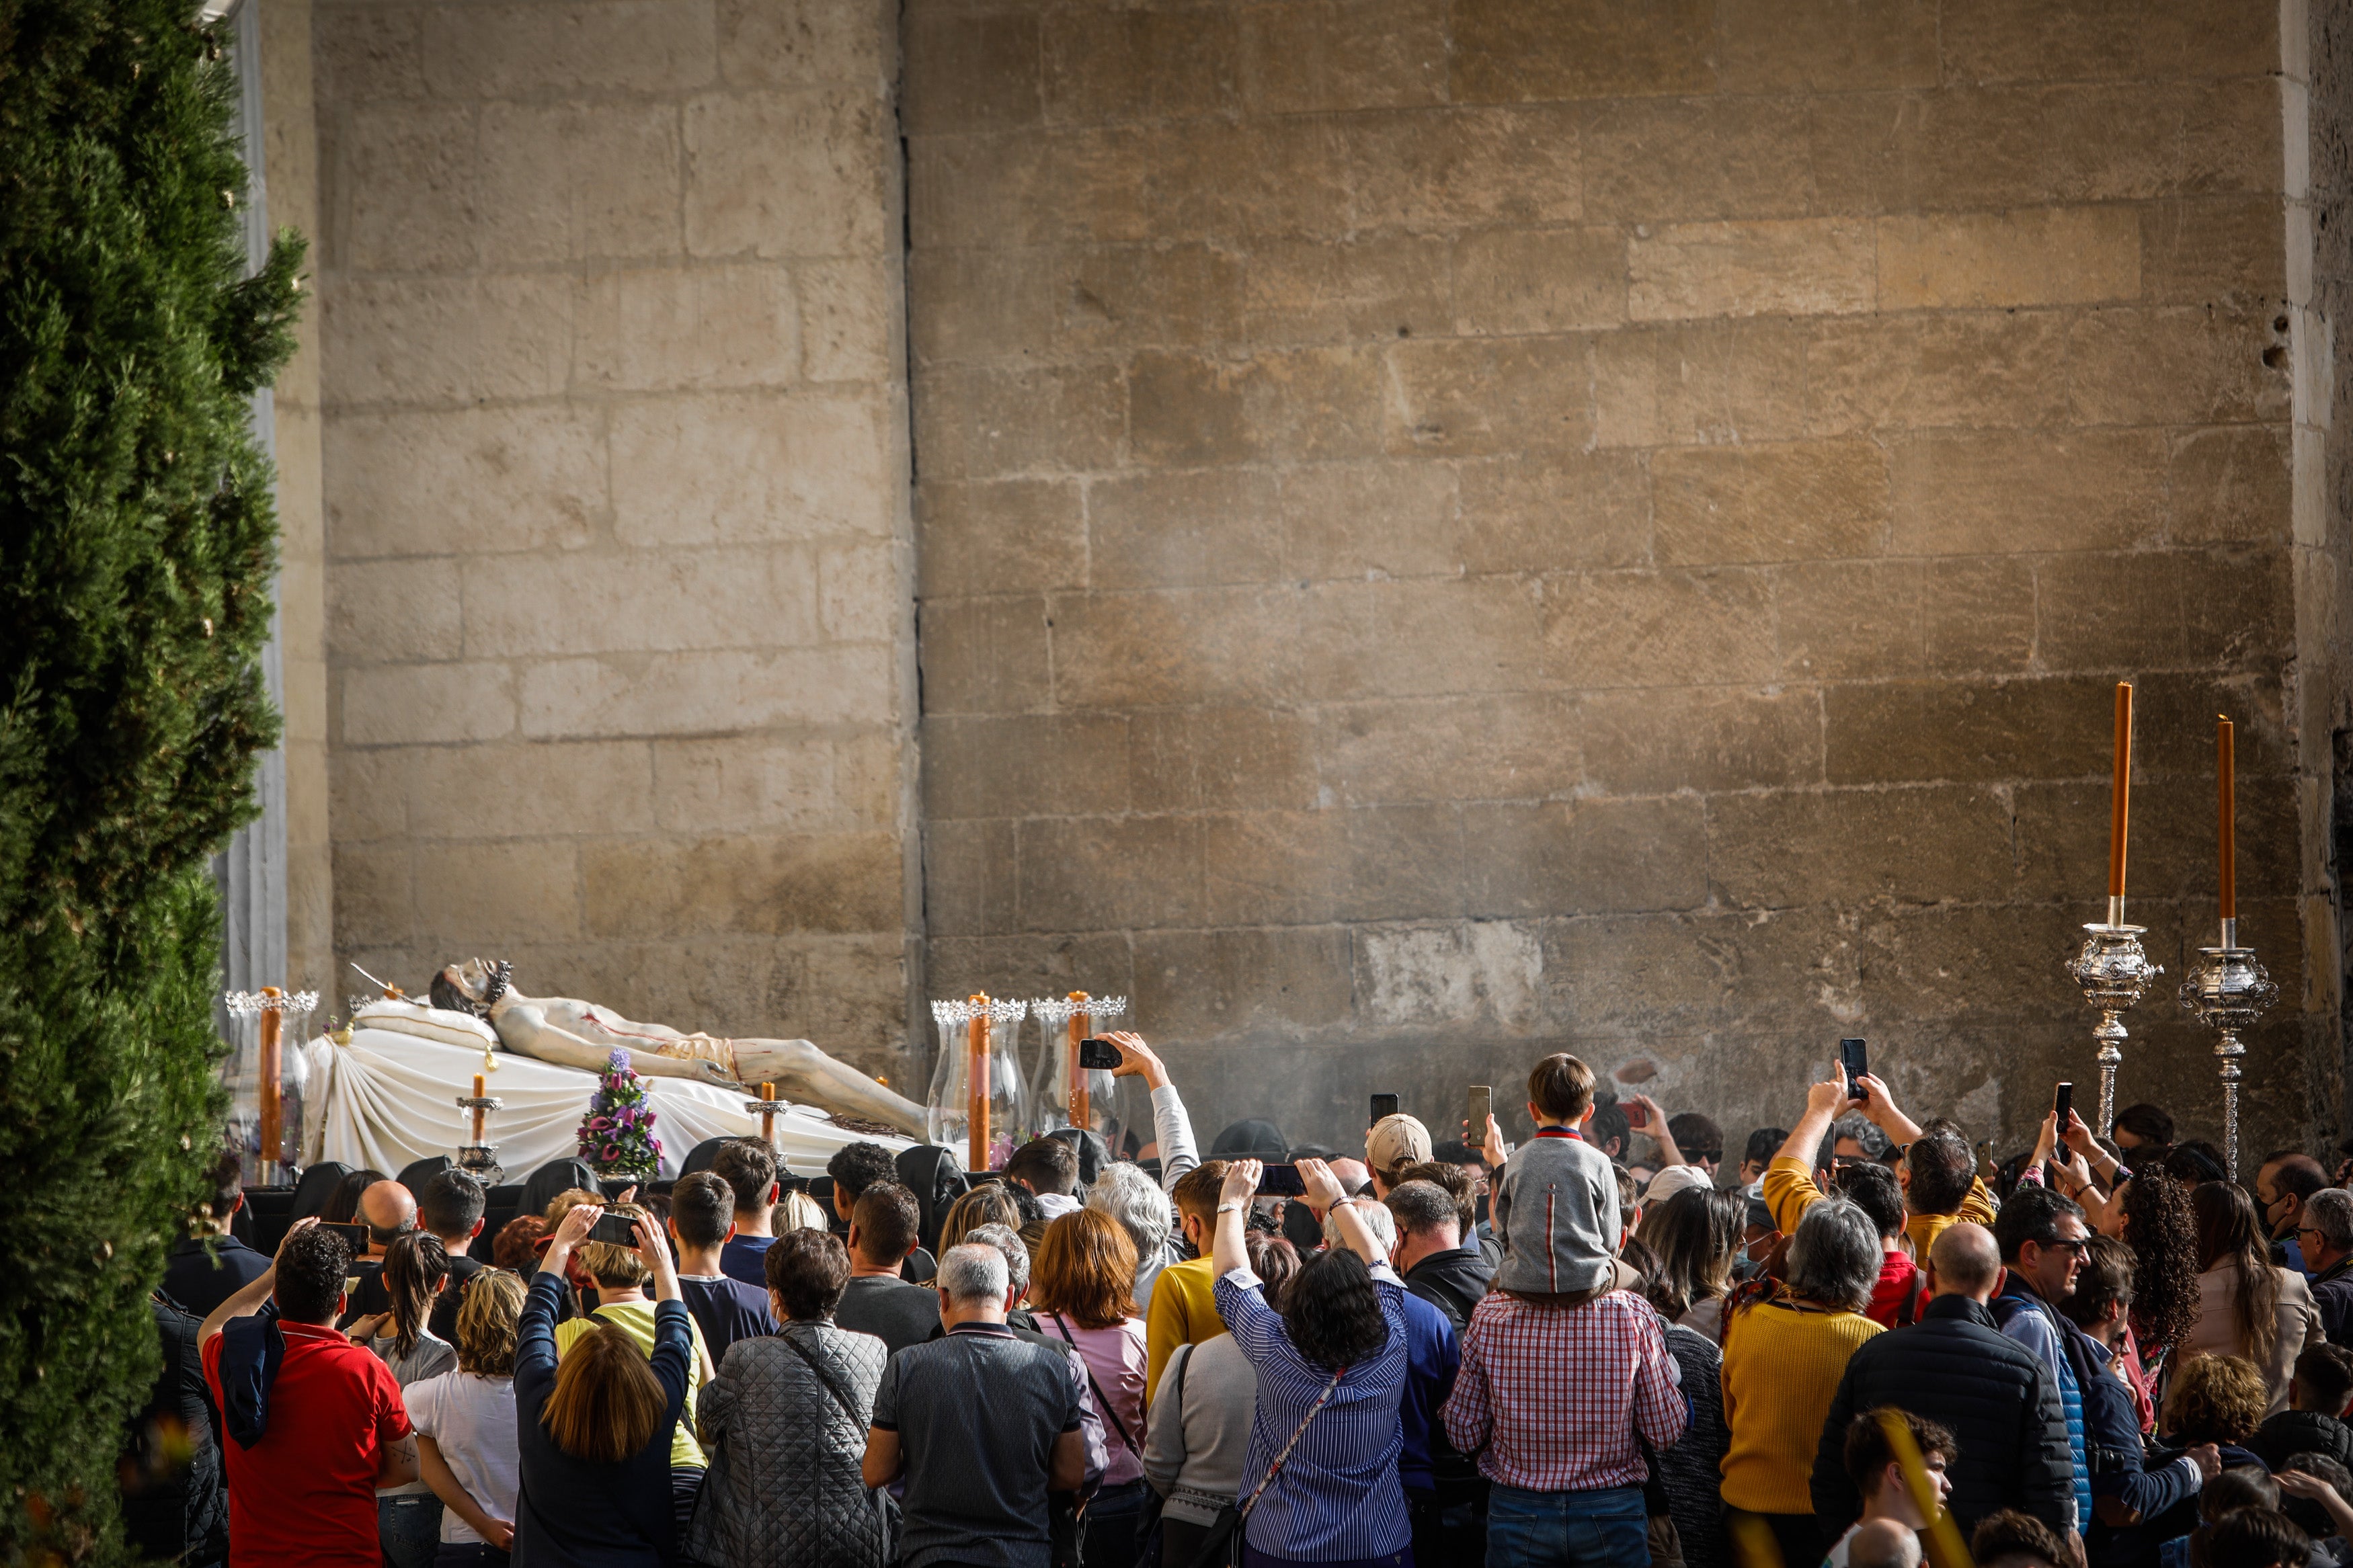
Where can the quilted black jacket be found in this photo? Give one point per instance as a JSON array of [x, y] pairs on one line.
[[791, 1493]]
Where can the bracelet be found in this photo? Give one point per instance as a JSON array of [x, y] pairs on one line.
[[1231, 1208]]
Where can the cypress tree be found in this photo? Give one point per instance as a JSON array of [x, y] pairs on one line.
[[137, 546]]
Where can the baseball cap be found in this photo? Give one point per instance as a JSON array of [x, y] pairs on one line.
[[1396, 1140], [1675, 1179]]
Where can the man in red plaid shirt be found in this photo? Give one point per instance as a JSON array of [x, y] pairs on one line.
[[1550, 1397]]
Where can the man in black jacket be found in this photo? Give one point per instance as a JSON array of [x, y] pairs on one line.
[[1431, 1257], [1953, 1367]]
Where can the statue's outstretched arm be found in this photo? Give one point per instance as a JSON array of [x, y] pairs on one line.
[[528, 1033], [800, 1072]]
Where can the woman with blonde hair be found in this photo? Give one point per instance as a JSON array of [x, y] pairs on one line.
[[988, 1204], [1082, 1291], [465, 1423], [593, 1429], [2246, 1306]]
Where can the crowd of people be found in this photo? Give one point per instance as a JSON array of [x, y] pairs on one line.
[[1863, 1338]]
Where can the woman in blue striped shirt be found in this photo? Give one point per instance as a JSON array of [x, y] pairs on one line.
[[1320, 1484]]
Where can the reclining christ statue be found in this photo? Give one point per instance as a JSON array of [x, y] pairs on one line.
[[574, 1033]]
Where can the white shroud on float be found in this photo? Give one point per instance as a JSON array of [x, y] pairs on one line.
[[390, 1096]]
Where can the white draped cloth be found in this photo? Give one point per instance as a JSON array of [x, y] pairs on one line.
[[388, 1099]]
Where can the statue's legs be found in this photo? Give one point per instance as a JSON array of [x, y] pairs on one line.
[[800, 1072]]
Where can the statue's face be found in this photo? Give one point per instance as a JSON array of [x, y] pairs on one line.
[[472, 977]]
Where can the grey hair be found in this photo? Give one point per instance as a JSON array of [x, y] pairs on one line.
[[1835, 1257], [2329, 1211], [973, 1271], [1007, 1240], [1376, 1218], [1856, 1127], [1124, 1192]]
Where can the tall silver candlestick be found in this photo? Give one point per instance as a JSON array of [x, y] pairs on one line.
[[2229, 991], [2114, 970]]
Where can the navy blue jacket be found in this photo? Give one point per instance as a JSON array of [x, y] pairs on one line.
[[2125, 1494], [571, 1513]]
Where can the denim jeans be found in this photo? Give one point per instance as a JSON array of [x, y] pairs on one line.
[[1566, 1530], [408, 1527]]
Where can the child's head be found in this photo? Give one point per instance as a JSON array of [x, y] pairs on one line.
[[2324, 1380], [1560, 1090], [611, 1265], [2250, 1538], [2311, 1516], [2241, 1488], [1872, 1465], [2009, 1539]]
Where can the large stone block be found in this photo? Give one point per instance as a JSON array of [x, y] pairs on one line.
[[851, 314], [2063, 836], [793, 172], [1080, 874], [779, 43], [1245, 984], [479, 479], [1659, 740], [366, 51], [972, 424], [1220, 759], [1505, 747], [2175, 607], [568, 182], [659, 329], [1183, 530], [1827, 46], [2181, 365], [1307, 868], [476, 894], [1658, 629], [1776, 502], [1477, 397], [404, 190], [1539, 280], [1305, 404], [1026, 765], [523, 606], [447, 340], [376, 902], [985, 655], [2031, 256], [1791, 849], [1801, 266], [862, 591], [1641, 973], [1967, 730], [969, 72], [1967, 493], [1851, 620], [409, 704], [368, 794], [2012, 146], [1981, 615], [1552, 513], [2229, 486], [1469, 977], [1363, 286], [723, 468], [971, 879], [1123, 65], [1420, 638], [1589, 856], [661, 888], [749, 784], [1051, 187], [1701, 385], [1030, 965], [1672, 160], [689, 693], [2017, 40], [394, 612], [1203, 644], [2204, 247], [500, 791], [1444, 170], [1968, 369], [1361, 520], [1511, 50], [1104, 299], [999, 536], [1241, 182], [501, 51], [1330, 55]]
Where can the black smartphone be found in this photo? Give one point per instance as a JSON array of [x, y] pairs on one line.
[[1281, 1182], [1476, 1108], [1383, 1105], [355, 1237], [1851, 1058], [1096, 1055], [2063, 1102], [617, 1229]]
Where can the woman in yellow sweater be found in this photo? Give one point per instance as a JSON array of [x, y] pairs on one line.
[[1782, 1361]]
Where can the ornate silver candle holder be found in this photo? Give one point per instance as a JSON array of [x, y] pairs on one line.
[[481, 1160], [2228, 991], [2114, 972]]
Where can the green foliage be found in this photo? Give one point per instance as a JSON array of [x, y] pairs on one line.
[[137, 544]]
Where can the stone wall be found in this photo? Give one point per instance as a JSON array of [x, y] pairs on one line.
[[618, 568], [1452, 528]]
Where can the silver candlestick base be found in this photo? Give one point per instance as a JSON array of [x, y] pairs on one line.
[[2229, 991], [2114, 970], [481, 1161]]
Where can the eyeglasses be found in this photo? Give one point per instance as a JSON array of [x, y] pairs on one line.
[[2065, 1245]]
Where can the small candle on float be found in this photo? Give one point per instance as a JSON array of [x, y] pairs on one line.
[[767, 1091], [2120, 804], [2226, 785]]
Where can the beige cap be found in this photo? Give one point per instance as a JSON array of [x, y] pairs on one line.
[[1396, 1140], [1675, 1179]]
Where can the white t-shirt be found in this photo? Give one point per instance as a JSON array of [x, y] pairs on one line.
[[471, 1419]]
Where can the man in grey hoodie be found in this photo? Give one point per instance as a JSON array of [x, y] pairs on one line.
[[1555, 1203]]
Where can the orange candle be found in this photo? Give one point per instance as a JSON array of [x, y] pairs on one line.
[[2225, 774], [477, 1086], [2121, 802], [1078, 1077], [273, 1067], [767, 1091], [976, 1086]]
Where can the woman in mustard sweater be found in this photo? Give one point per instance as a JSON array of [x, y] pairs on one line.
[[1782, 1361]]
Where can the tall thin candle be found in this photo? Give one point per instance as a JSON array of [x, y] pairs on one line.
[[2121, 802], [1080, 1023], [2226, 783], [976, 1086]]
